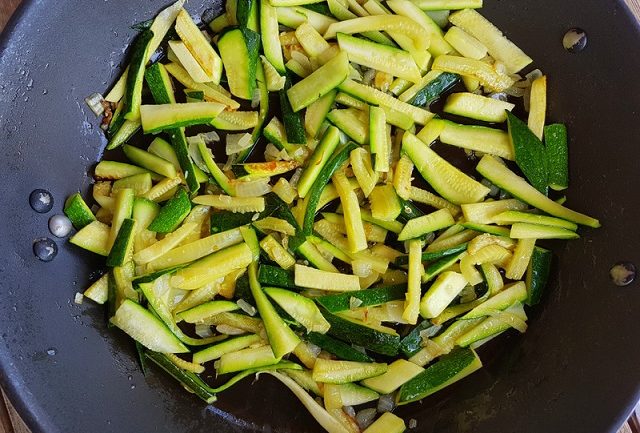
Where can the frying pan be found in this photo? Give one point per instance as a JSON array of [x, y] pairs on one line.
[[577, 369]]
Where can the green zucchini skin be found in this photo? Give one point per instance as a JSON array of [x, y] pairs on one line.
[[133, 94], [369, 297], [434, 89], [338, 348], [530, 153], [162, 93], [315, 191], [408, 211], [247, 13], [538, 274], [190, 380], [412, 342], [434, 255], [450, 368], [276, 276], [76, 209], [369, 338], [274, 206], [293, 121], [555, 139], [172, 213], [121, 249], [240, 51]]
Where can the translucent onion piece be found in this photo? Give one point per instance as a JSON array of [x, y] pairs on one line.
[[247, 307], [237, 143], [252, 188], [94, 102]]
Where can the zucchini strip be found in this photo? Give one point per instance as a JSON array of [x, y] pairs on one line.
[[393, 23], [500, 175]]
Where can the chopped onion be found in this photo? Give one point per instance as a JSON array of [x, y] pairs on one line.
[[500, 96], [255, 217], [94, 102], [350, 411], [425, 334], [272, 153], [413, 423], [354, 302], [209, 137], [515, 91], [255, 98], [247, 307], [429, 237], [300, 153], [252, 188], [295, 178], [512, 320], [230, 161], [361, 268], [229, 330], [237, 143], [203, 330], [365, 417], [206, 35], [386, 403], [79, 298], [194, 152], [302, 59], [500, 67], [313, 349], [368, 77], [493, 190], [326, 254]]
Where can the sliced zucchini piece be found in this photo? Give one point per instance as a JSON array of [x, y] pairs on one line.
[[399, 372], [172, 213], [135, 76], [501, 176], [301, 308], [281, 338], [449, 369], [537, 274], [156, 118], [198, 45], [391, 60], [146, 329], [477, 107], [93, 237], [232, 345], [319, 83], [387, 423], [444, 290], [338, 348], [330, 371], [122, 248], [239, 49], [447, 180], [76, 209], [499, 47]]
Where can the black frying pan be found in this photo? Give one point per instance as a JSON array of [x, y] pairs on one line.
[[577, 369]]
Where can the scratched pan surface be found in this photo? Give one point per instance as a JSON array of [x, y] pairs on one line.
[[575, 370]]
